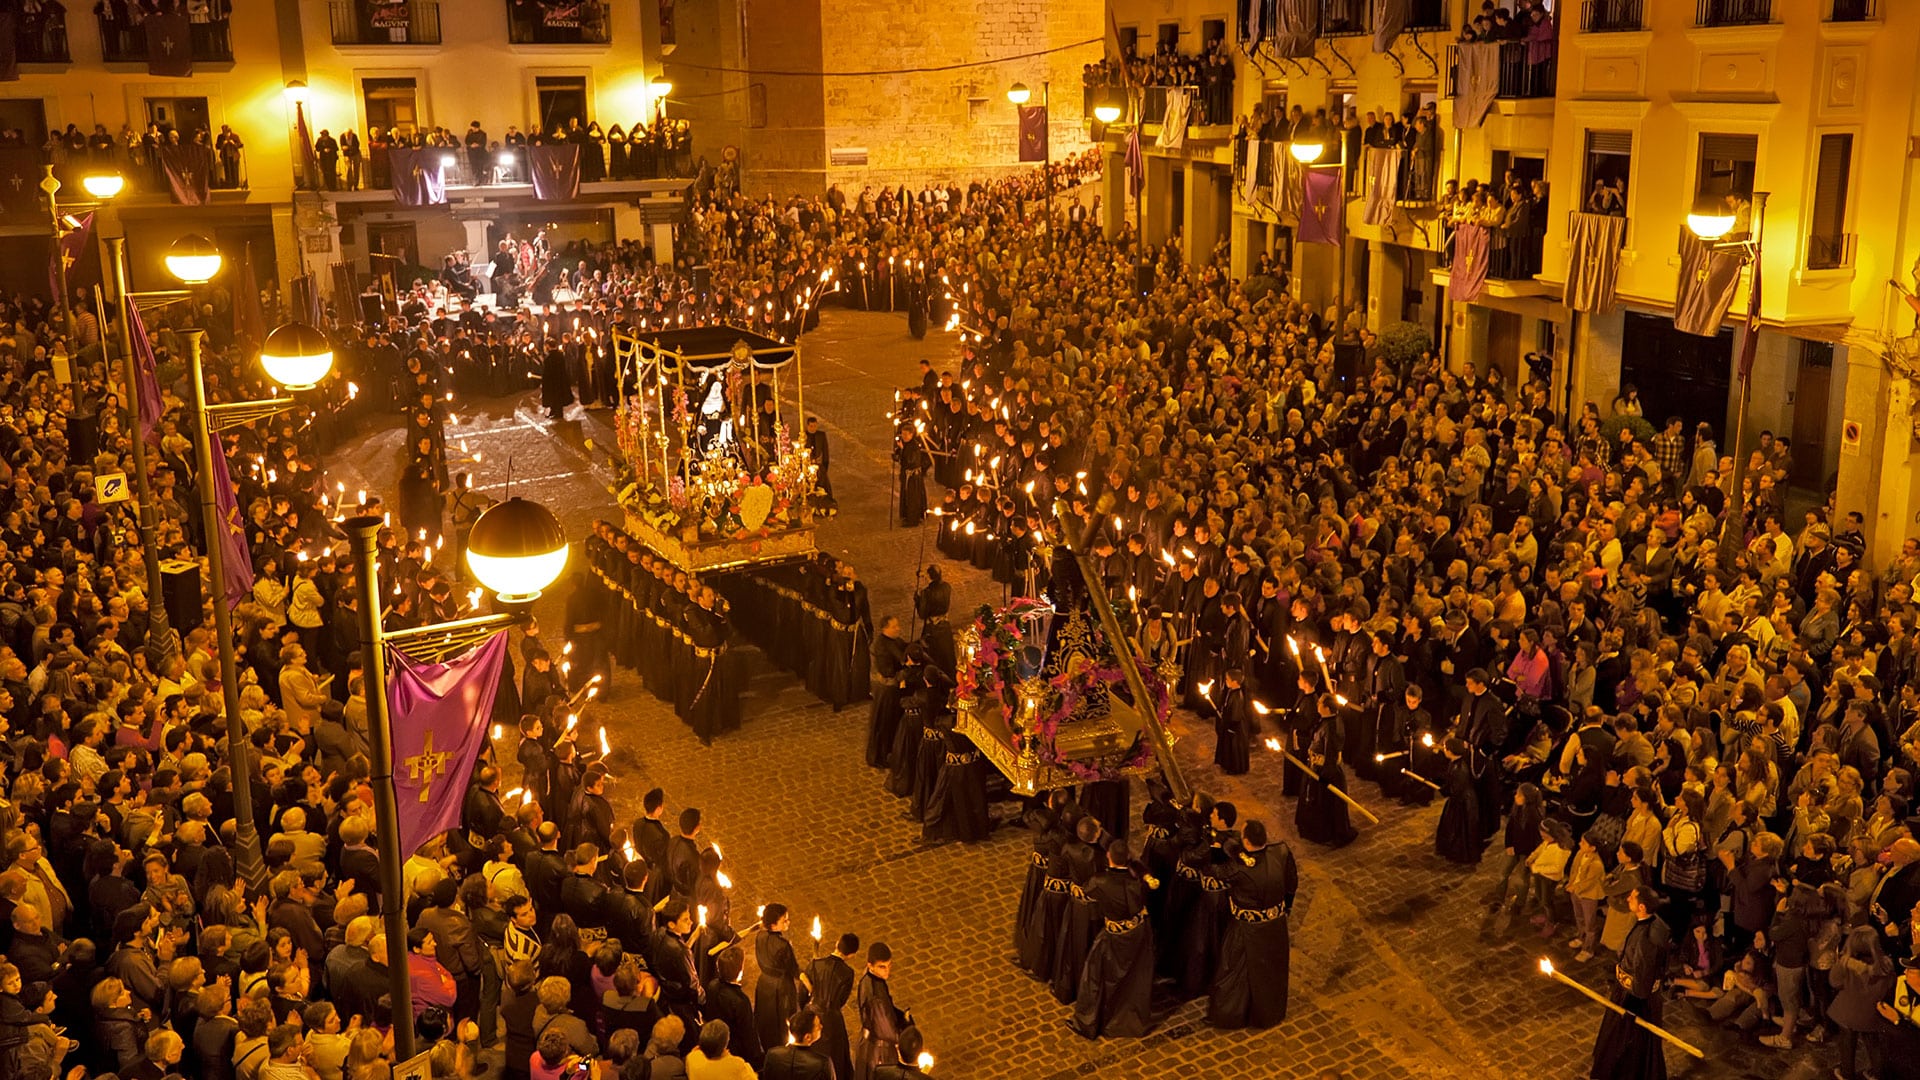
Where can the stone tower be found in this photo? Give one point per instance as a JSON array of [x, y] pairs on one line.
[[745, 72]]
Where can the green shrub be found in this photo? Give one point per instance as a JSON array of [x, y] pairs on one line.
[[1610, 428], [1403, 342]]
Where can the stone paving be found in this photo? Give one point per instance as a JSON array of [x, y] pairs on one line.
[[1397, 970]]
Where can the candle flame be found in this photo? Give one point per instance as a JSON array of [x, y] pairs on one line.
[[1261, 708], [572, 719], [604, 749], [496, 731], [816, 928], [703, 916], [721, 877], [1426, 739], [924, 1061], [1274, 745], [1546, 966]]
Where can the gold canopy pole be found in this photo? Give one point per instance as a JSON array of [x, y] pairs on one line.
[[1123, 651]]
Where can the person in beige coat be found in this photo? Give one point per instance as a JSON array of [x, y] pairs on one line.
[[301, 694]]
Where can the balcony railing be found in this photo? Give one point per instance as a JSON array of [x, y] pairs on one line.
[[1852, 11], [1344, 18], [1734, 12], [405, 22], [558, 22], [1830, 252], [1610, 16], [126, 42], [1518, 78], [41, 38]]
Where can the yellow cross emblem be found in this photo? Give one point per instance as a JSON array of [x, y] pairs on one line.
[[424, 766]]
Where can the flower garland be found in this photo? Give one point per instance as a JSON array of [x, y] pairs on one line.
[[1073, 692], [991, 671], [993, 656]]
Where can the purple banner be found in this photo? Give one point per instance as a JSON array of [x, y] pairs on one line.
[[169, 44], [67, 253], [189, 170], [21, 168], [1471, 246], [555, 172], [236, 578], [249, 321], [440, 714], [146, 388], [1322, 205], [416, 176], [1033, 133]]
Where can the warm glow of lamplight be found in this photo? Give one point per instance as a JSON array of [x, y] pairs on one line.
[[1019, 94], [193, 259], [1711, 218], [296, 355], [1306, 152], [104, 185]]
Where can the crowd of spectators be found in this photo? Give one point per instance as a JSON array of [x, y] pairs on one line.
[[1208, 73]]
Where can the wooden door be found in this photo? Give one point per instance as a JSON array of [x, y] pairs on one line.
[[1810, 415], [1503, 345]]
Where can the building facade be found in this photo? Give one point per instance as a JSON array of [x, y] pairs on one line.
[[907, 98], [1803, 107], [262, 67]]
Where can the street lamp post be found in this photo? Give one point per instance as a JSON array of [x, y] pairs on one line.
[[1020, 95], [1710, 220], [1307, 151], [515, 549], [103, 187], [163, 643], [194, 260]]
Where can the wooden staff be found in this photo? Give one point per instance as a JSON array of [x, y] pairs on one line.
[[1274, 745], [737, 939], [1546, 968], [1422, 779]]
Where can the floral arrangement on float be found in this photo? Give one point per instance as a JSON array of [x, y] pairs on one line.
[[1042, 694]]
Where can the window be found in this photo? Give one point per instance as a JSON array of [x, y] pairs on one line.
[[40, 35], [1609, 167], [558, 22], [183, 114], [390, 105], [1169, 40], [1733, 12], [1341, 18], [1726, 165], [1609, 16], [1428, 15], [28, 117], [1828, 245], [562, 99], [1213, 30], [384, 22], [1129, 41]]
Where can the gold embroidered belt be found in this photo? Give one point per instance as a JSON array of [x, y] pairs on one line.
[[1187, 872], [1076, 892], [967, 758], [1126, 926], [1056, 884], [1260, 915], [930, 734], [1155, 832], [1212, 884]]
